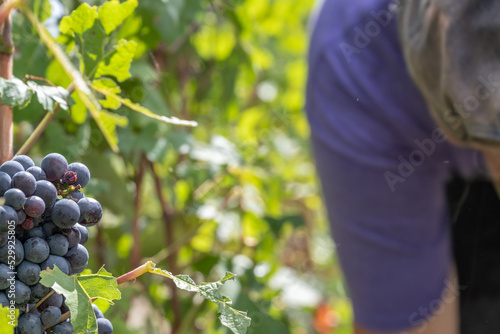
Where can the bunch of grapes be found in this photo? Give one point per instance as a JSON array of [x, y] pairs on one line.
[[43, 222]]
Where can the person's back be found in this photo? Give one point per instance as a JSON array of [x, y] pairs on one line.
[[384, 165]]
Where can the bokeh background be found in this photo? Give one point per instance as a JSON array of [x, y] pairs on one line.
[[236, 193]]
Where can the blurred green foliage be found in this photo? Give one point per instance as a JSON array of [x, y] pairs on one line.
[[239, 191]]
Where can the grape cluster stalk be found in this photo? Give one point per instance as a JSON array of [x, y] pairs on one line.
[[43, 223]]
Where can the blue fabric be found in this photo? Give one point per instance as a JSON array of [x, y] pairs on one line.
[[383, 165]]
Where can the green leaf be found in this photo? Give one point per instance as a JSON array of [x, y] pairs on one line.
[[108, 91], [42, 9], [15, 92], [112, 88], [237, 321], [78, 291], [92, 47], [109, 122], [112, 13], [48, 96], [80, 20], [8, 320], [119, 64]]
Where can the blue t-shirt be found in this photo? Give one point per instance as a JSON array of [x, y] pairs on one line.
[[383, 165]]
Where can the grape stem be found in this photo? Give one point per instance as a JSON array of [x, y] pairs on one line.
[[139, 271], [41, 301]]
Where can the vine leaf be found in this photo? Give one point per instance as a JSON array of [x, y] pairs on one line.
[[80, 20], [237, 321], [119, 64], [109, 89], [79, 290], [112, 13], [17, 93]]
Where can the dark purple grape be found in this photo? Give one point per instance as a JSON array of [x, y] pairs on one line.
[[59, 261], [54, 165], [73, 236], [28, 272], [5, 181], [58, 244], [90, 211], [104, 326], [15, 198], [36, 250], [77, 195], [46, 191], [11, 168], [24, 181], [97, 312], [77, 256], [21, 216], [7, 215], [48, 210], [29, 323], [65, 213], [36, 232], [84, 234], [34, 206], [37, 172], [63, 328], [50, 316], [76, 271], [4, 301], [82, 173], [18, 253], [50, 228], [39, 290], [24, 160], [22, 293]]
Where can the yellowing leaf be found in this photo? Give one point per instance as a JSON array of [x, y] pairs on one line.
[[119, 64], [110, 86], [80, 20], [112, 13]]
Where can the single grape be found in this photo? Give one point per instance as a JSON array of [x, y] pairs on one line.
[[82, 173], [29, 323], [73, 235], [4, 301], [77, 195], [24, 181], [36, 250], [84, 233], [65, 213], [58, 244], [79, 270], [7, 215], [15, 198], [5, 181], [18, 253], [97, 312], [39, 290], [22, 293], [28, 272], [50, 316], [36, 231], [104, 326], [5, 274], [37, 172], [46, 191], [21, 216], [90, 211], [77, 256], [4, 237], [34, 206], [54, 165], [24, 160], [59, 261], [63, 328], [11, 168]]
